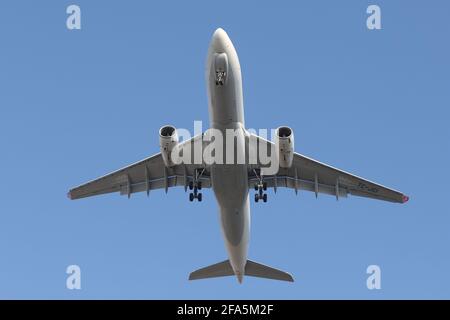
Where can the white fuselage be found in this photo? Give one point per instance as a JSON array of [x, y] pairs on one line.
[[229, 181]]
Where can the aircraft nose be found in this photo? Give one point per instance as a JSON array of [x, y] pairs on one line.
[[220, 40]]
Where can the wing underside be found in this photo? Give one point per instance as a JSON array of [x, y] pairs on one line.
[[144, 176], [311, 175], [304, 174]]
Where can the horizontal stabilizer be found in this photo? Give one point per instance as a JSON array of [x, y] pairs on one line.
[[253, 269], [259, 270], [221, 269]]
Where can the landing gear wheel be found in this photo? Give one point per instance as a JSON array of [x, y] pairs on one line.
[[264, 186], [199, 185], [199, 197], [191, 197], [265, 197], [256, 197], [191, 185], [256, 187]]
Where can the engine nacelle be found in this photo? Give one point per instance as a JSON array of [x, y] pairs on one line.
[[168, 140], [285, 146]]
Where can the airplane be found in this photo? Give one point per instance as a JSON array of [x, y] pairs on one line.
[[231, 182]]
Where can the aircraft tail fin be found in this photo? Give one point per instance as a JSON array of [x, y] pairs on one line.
[[253, 269]]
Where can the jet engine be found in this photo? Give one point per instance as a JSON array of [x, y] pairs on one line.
[[285, 146], [168, 140]]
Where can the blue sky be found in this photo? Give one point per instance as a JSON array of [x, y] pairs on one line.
[[77, 104]]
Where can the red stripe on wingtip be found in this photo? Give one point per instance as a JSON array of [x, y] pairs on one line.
[[405, 198]]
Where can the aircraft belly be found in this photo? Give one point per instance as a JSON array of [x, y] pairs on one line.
[[230, 187]]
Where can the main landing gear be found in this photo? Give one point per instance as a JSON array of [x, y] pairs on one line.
[[261, 195], [260, 187], [195, 194], [196, 185]]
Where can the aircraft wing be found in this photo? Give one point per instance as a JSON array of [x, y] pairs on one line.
[[145, 175], [311, 175]]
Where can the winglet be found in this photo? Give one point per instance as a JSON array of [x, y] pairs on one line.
[[405, 198]]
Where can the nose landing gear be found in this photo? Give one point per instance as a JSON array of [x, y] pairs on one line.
[[221, 68], [220, 78]]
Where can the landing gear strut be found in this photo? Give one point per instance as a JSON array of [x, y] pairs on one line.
[[260, 187], [196, 185]]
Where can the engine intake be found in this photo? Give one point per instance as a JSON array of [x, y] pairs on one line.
[[285, 146], [168, 140]]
